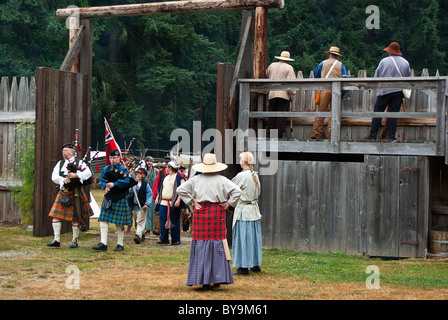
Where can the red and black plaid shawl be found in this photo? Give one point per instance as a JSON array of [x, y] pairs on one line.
[[209, 222]]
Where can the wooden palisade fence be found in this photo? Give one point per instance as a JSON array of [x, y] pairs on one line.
[[17, 105]]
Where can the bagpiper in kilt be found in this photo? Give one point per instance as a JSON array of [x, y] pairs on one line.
[[71, 202], [115, 180]]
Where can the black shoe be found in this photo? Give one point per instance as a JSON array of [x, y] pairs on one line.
[[54, 244], [74, 244], [162, 242], [100, 246], [119, 247], [391, 138], [313, 138], [175, 243], [137, 239], [255, 269], [205, 287], [241, 271], [143, 237]]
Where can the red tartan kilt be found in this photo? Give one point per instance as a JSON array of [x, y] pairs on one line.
[[60, 212], [209, 222]]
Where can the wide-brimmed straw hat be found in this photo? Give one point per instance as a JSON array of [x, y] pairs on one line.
[[209, 164], [333, 50], [393, 48], [285, 56]]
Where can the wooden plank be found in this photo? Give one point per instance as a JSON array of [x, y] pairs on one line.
[[324, 146], [374, 204], [73, 51], [389, 218], [336, 116], [168, 7], [397, 115], [441, 120], [408, 206]]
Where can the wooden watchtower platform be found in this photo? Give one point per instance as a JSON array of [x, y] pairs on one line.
[[348, 194]]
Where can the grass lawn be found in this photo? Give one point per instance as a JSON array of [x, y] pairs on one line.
[[31, 270]]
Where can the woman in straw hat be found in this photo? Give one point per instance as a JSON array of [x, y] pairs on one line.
[[246, 241], [210, 194]]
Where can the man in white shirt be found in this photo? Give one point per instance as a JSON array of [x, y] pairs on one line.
[[71, 201]]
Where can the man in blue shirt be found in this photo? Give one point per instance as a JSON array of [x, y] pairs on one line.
[[392, 66], [330, 68], [116, 182]]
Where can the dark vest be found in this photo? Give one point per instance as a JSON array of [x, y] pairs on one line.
[[141, 195]]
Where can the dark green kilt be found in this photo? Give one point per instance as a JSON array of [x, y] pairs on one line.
[[118, 213]]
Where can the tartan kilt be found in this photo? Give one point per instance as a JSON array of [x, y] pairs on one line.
[[66, 213], [209, 222], [118, 213]]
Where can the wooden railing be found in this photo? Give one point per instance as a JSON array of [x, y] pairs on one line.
[[434, 87]]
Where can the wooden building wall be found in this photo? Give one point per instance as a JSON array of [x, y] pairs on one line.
[[378, 207]]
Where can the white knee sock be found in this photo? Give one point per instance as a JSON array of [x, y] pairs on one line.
[[75, 228], [120, 235], [57, 229], [104, 229]]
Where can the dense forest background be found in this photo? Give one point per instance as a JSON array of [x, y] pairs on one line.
[[152, 74]]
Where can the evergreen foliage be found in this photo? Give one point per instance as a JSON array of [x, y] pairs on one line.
[[152, 74]]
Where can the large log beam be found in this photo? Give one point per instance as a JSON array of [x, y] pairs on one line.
[[168, 7]]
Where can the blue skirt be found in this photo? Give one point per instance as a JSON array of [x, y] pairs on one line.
[[246, 244], [208, 263]]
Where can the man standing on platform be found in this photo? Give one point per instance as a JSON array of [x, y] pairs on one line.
[[280, 100], [330, 68], [392, 66]]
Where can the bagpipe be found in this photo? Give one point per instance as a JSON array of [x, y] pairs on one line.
[[122, 171]]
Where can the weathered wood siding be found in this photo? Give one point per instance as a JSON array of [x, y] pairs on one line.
[[17, 105], [377, 208], [63, 104]]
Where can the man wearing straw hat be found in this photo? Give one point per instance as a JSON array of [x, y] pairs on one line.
[[210, 194], [280, 100], [330, 68]]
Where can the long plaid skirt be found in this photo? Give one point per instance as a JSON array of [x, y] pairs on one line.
[[118, 213], [208, 264], [66, 213], [209, 222]]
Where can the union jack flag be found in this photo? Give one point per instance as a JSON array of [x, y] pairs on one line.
[[110, 142]]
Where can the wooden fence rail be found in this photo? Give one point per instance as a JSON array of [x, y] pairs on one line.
[[433, 107]]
